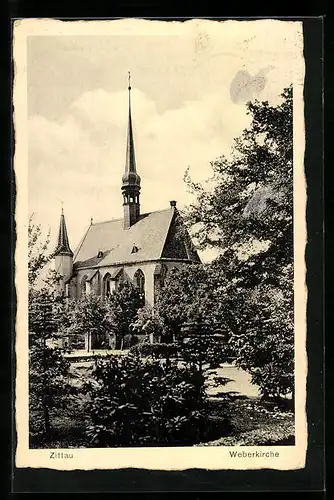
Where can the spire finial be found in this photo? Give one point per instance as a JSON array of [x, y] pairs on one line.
[[129, 80], [62, 208]]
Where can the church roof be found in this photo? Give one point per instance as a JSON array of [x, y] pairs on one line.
[[63, 246], [108, 243]]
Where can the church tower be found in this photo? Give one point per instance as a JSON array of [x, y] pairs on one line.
[[130, 178], [63, 254]]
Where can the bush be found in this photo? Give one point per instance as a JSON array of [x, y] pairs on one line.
[[156, 351], [146, 403]]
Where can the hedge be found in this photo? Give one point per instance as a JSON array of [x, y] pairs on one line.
[[154, 350]]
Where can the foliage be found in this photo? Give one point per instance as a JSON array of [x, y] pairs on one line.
[[194, 295], [38, 245], [49, 387], [203, 348], [251, 197], [137, 402], [190, 293], [148, 322], [122, 306], [247, 213], [44, 299], [101, 319], [155, 351], [87, 316]]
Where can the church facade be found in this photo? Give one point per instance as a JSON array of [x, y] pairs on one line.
[[141, 248]]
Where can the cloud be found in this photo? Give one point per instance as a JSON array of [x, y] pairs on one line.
[[80, 158]]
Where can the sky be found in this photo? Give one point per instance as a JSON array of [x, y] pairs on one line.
[[190, 84]]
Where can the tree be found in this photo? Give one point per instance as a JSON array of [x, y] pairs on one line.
[[191, 293], [246, 212], [148, 323], [190, 310], [122, 306], [183, 297], [38, 255], [89, 318], [49, 387]]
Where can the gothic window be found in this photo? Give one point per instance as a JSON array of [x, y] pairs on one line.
[[140, 283], [107, 285], [83, 286], [118, 279], [163, 274], [97, 283]]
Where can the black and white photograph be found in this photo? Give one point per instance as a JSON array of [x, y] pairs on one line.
[[160, 269]]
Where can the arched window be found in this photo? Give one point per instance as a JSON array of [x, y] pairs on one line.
[[119, 277], [107, 285], [97, 283], [163, 274], [140, 283], [83, 286]]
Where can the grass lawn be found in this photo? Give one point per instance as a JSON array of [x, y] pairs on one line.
[[252, 422]]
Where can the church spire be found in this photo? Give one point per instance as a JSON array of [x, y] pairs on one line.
[[130, 162], [63, 246], [130, 178]]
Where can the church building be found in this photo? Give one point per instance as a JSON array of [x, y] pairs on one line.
[[138, 247]]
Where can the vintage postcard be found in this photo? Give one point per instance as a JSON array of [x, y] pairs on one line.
[[160, 254]]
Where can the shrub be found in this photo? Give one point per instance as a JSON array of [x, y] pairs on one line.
[[156, 351], [136, 402]]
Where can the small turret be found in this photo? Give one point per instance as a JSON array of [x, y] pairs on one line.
[[63, 255]]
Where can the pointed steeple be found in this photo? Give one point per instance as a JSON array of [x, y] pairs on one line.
[[130, 178], [130, 175], [63, 246]]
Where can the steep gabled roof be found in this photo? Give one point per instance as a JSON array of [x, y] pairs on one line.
[[108, 243]]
